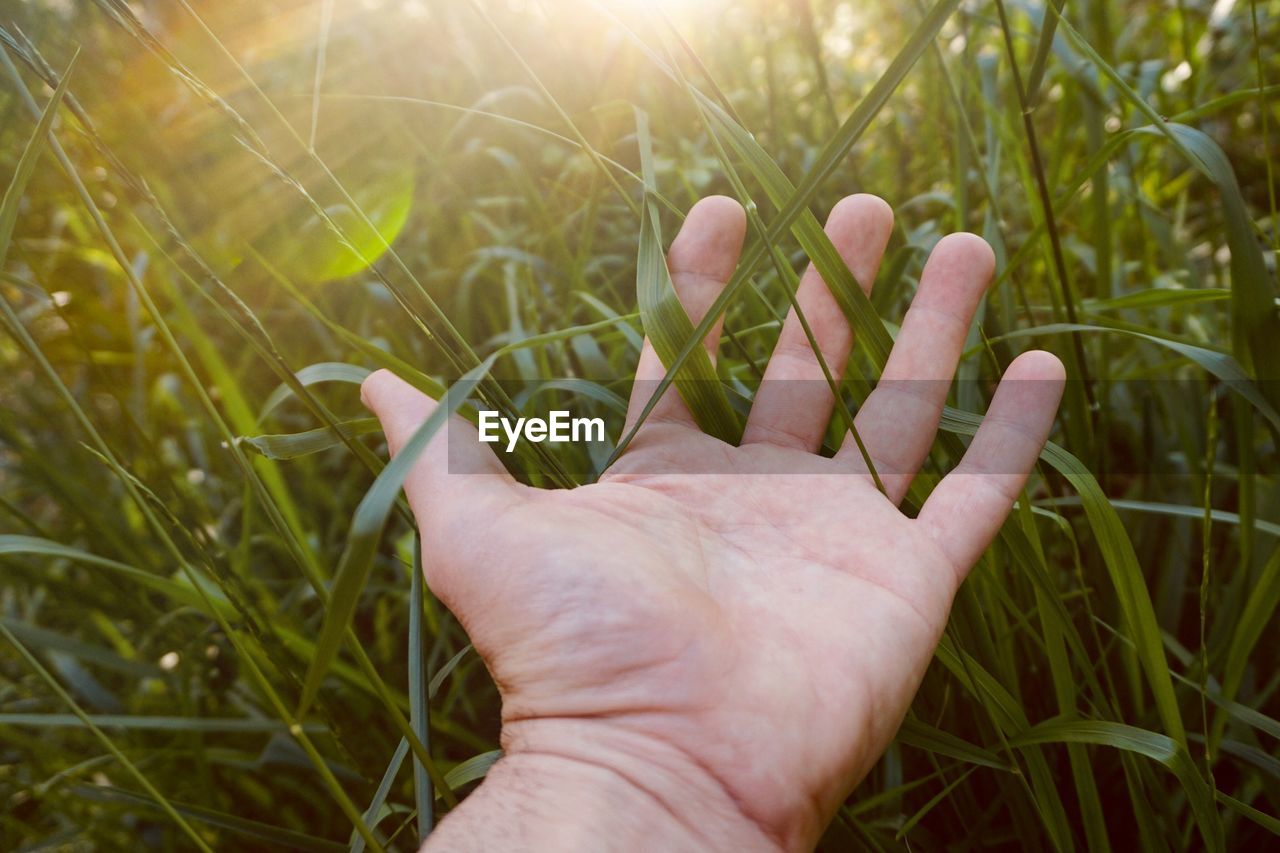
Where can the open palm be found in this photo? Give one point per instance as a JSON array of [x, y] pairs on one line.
[[740, 628]]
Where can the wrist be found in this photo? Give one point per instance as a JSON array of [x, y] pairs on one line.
[[569, 785]]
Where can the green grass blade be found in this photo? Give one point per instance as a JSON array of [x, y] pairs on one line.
[[1010, 717], [356, 843], [277, 837], [921, 735], [1130, 584], [1260, 606], [1157, 747], [176, 591], [137, 722], [366, 528], [475, 767], [419, 695], [312, 374], [86, 652], [449, 666], [1035, 76], [1220, 516], [1255, 323], [1067, 693], [665, 320], [293, 445], [910, 823], [119, 756], [1262, 819], [27, 162], [1218, 364]]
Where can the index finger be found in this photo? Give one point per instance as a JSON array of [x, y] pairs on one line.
[[701, 260]]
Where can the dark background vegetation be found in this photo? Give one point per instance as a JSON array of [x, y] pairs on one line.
[[1110, 675]]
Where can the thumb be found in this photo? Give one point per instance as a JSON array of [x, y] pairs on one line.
[[454, 462], [398, 406]]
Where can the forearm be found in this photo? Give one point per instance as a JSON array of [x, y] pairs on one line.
[[581, 798]]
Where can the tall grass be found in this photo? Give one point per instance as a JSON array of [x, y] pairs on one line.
[[225, 214]]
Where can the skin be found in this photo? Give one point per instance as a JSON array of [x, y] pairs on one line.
[[713, 660]]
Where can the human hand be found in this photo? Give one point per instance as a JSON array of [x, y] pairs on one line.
[[714, 660]]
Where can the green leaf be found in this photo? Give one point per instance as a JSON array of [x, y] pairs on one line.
[[1157, 747], [1122, 567], [921, 735], [1219, 364], [27, 162], [1255, 324], [1260, 606], [419, 695], [138, 722], [1035, 76], [177, 591], [1008, 714], [293, 445], [1262, 819], [1177, 510], [102, 738], [475, 767], [665, 320], [1159, 297], [1130, 584], [366, 529], [910, 823], [34, 635], [443, 673], [355, 843], [312, 374], [277, 837], [580, 387]]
